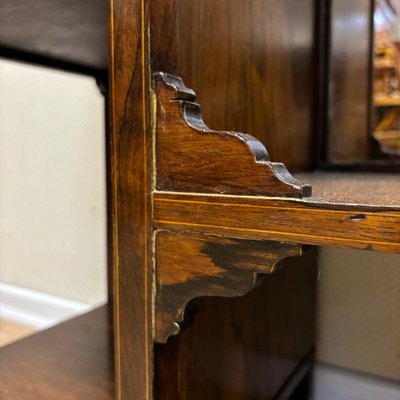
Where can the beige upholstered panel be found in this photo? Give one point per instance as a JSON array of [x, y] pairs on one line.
[[359, 311], [52, 183]]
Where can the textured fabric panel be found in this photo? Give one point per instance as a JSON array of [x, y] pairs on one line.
[[359, 311], [52, 183]]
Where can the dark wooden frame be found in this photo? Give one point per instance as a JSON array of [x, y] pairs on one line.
[[131, 182]]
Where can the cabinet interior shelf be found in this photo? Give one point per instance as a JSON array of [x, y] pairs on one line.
[[73, 360], [346, 210]]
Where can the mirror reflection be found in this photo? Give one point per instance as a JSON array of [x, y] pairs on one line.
[[386, 76]]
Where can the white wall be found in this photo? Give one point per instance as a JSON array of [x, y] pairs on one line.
[[52, 183], [359, 311]]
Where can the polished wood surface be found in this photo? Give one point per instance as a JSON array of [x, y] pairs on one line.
[[296, 221], [251, 64], [349, 81], [192, 266], [131, 173], [72, 361], [69, 34], [191, 157], [253, 75], [243, 348]]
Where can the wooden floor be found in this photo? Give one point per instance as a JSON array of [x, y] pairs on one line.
[[73, 360], [11, 331]]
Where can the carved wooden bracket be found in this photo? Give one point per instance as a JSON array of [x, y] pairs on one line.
[[191, 158], [191, 266]]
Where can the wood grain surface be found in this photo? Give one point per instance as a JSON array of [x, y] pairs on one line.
[[191, 157], [72, 361], [190, 266], [248, 65], [349, 81], [131, 158], [296, 221], [247, 347], [252, 74]]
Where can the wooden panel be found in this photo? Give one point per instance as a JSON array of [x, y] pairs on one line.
[[349, 81], [72, 361], [250, 61], [191, 266], [130, 109], [253, 69], [71, 34], [296, 221], [164, 29], [242, 348]]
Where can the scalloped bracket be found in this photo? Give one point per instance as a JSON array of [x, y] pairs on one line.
[[190, 157], [192, 266]]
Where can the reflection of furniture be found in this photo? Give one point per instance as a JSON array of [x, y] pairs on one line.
[[197, 212], [386, 71], [386, 75], [387, 132], [352, 56], [387, 99], [389, 141]]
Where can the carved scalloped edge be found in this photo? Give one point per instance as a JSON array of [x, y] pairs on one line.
[[192, 115], [172, 300], [180, 316]]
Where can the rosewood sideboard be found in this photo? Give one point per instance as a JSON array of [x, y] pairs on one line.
[[212, 238]]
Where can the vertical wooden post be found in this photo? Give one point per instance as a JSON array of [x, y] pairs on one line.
[[130, 142]]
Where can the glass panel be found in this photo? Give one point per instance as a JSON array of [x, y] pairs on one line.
[[362, 87], [386, 76]]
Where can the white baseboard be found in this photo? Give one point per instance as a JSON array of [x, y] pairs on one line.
[[36, 309], [331, 383]]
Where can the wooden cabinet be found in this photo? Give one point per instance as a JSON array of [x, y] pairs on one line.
[[213, 271]]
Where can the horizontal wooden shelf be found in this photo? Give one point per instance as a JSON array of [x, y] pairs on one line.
[[73, 360], [369, 189], [68, 34], [354, 211]]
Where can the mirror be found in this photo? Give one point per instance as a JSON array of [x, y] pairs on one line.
[[361, 85], [386, 76]]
